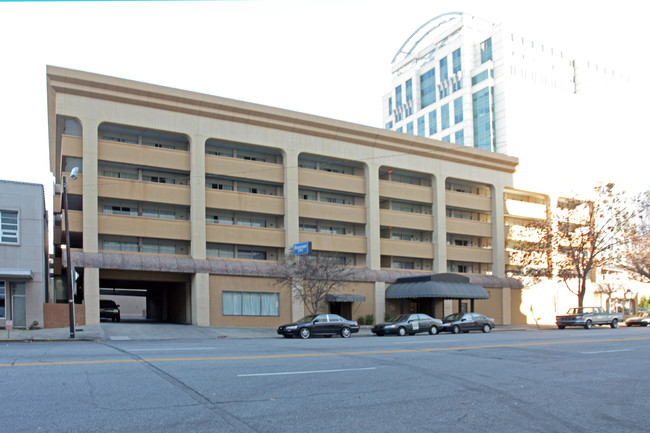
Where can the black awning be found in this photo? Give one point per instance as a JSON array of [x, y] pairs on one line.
[[345, 298], [436, 289]]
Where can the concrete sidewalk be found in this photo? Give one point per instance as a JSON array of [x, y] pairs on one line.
[[144, 330]]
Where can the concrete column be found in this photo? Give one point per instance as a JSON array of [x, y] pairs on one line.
[[297, 305], [291, 211], [90, 208], [440, 225], [380, 301], [91, 295], [498, 232], [200, 284], [200, 299], [90, 185], [373, 256], [197, 197]]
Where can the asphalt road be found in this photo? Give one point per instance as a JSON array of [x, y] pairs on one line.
[[574, 380]]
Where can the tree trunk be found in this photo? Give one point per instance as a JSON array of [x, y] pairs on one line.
[[581, 291]]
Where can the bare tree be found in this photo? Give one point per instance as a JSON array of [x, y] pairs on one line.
[[576, 237], [587, 233], [635, 253], [310, 279]]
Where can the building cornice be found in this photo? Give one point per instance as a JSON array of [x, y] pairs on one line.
[[101, 87]]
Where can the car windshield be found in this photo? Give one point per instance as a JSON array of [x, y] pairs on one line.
[[453, 317], [306, 319], [399, 318], [107, 304]]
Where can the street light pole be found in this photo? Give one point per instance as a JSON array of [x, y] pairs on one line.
[[73, 175]]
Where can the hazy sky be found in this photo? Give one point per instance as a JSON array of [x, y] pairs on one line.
[[329, 58]]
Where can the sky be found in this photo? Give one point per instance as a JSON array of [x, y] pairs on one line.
[[328, 58]]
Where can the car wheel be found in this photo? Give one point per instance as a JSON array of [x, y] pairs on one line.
[[614, 323], [401, 331], [118, 318], [486, 328], [588, 324], [433, 330], [455, 329], [345, 332], [561, 326], [287, 336], [305, 333], [379, 334]]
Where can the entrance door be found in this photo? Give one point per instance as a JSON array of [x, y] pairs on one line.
[[18, 310]]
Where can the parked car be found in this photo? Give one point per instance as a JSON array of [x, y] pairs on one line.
[[588, 317], [109, 310], [641, 319], [411, 324], [320, 324], [465, 322]]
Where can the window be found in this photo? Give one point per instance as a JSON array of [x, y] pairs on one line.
[[459, 137], [220, 251], [121, 210], [409, 97], [444, 116], [433, 122], [221, 219], [403, 264], [444, 69], [332, 230], [428, 88], [409, 128], [458, 110], [244, 253], [480, 77], [486, 50], [390, 107], [8, 227], [121, 245], [156, 248], [456, 61], [251, 304], [482, 119], [447, 138], [421, 130]]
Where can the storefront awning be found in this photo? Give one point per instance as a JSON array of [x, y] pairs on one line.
[[16, 274], [445, 286], [345, 298]]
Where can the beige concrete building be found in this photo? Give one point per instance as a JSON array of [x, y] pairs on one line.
[[192, 201]]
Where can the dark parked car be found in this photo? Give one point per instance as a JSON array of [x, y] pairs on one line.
[[411, 324], [109, 310], [321, 324], [465, 322], [641, 319]]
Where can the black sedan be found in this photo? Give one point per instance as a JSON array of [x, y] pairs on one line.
[[641, 319], [321, 324], [465, 322], [109, 310], [411, 324]]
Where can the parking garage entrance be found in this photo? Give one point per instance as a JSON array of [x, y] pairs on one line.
[[160, 297]]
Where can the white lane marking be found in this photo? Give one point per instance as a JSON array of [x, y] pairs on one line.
[[607, 351], [305, 372], [119, 337], [172, 349]]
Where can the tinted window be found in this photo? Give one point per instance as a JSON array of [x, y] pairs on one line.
[[321, 318]]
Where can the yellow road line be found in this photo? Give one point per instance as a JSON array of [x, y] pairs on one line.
[[311, 355]]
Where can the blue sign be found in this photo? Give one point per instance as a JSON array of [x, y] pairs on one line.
[[302, 248]]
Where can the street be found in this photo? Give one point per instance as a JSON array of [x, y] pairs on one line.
[[530, 381]]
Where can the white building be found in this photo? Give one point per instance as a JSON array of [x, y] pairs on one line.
[[465, 80]]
